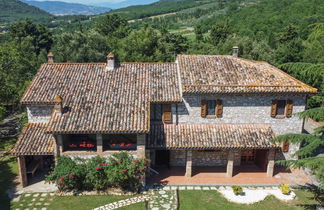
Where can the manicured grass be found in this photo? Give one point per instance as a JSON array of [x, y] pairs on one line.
[[213, 200], [89, 202], [35, 200]]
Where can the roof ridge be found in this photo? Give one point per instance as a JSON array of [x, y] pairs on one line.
[[147, 63], [72, 63]]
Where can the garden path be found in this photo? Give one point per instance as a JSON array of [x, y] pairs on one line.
[[126, 202]]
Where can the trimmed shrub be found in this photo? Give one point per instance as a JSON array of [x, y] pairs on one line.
[[237, 190], [285, 189]]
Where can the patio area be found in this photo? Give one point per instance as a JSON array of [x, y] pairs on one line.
[[243, 175]]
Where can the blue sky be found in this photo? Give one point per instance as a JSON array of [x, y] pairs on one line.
[[88, 2]]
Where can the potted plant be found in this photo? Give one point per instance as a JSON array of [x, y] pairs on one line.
[[237, 190], [285, 189]]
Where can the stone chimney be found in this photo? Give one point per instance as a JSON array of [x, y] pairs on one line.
[[235, 51], [110, 62], [50, 58], [58, 105]]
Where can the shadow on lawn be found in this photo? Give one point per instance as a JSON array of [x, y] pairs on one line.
[[7, 177]]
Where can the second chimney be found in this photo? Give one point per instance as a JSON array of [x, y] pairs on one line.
[[236, 51], [58, 105], [50, 58], [110, 62]]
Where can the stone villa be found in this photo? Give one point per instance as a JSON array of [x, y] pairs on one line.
[[201, 110]]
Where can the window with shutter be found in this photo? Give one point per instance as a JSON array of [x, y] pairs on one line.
[[274, 108], [211, 107], [167, 114], [281, 106], [203, 108], [285, 146], [289, 108], [219, 108]]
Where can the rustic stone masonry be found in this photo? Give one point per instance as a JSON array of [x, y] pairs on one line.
[[203, 158], [99, 144], [270, 167], [39, 114], [188, 163], [59, 142], [243, 109], [141, 145], [230, 163]]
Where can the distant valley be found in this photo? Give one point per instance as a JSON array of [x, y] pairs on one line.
[[64, 8]]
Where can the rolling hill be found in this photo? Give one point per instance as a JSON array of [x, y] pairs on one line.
[[13, 10], [125, 3], [157, 8], [64, 8]]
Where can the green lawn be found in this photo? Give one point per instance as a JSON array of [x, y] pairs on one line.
[[89, 202], [69, 202], [213, 200]]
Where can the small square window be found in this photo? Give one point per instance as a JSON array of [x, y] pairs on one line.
[[281, 106]]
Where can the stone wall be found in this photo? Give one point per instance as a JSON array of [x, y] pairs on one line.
[[39, 114], [243, 109], [177, 158], [203, 158]]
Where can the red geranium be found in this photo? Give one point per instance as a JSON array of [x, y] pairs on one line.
[[124, 171], [98, 169], [135, 161], [62, 179], [60, 183]]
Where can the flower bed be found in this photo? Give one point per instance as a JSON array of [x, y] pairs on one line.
[[120, 170]]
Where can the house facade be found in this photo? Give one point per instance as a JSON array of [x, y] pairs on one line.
[[201, 110]]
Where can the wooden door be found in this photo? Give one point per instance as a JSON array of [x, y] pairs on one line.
[[261, 159]]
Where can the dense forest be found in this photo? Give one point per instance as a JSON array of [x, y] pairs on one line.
[[288, 34]]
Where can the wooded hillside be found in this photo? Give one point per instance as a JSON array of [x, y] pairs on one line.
[[13, 10]]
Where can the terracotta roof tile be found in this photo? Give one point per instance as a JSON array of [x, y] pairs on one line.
[[229, 74], [103, 101], [34, 141], [164, 83], [210, 136], [96, 100]]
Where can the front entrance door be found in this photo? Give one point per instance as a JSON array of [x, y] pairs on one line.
[[248, 157], [162, 157], [261, 159]]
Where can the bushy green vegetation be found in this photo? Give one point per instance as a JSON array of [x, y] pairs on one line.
[[13, 10], [119, 170], [20, 56]]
